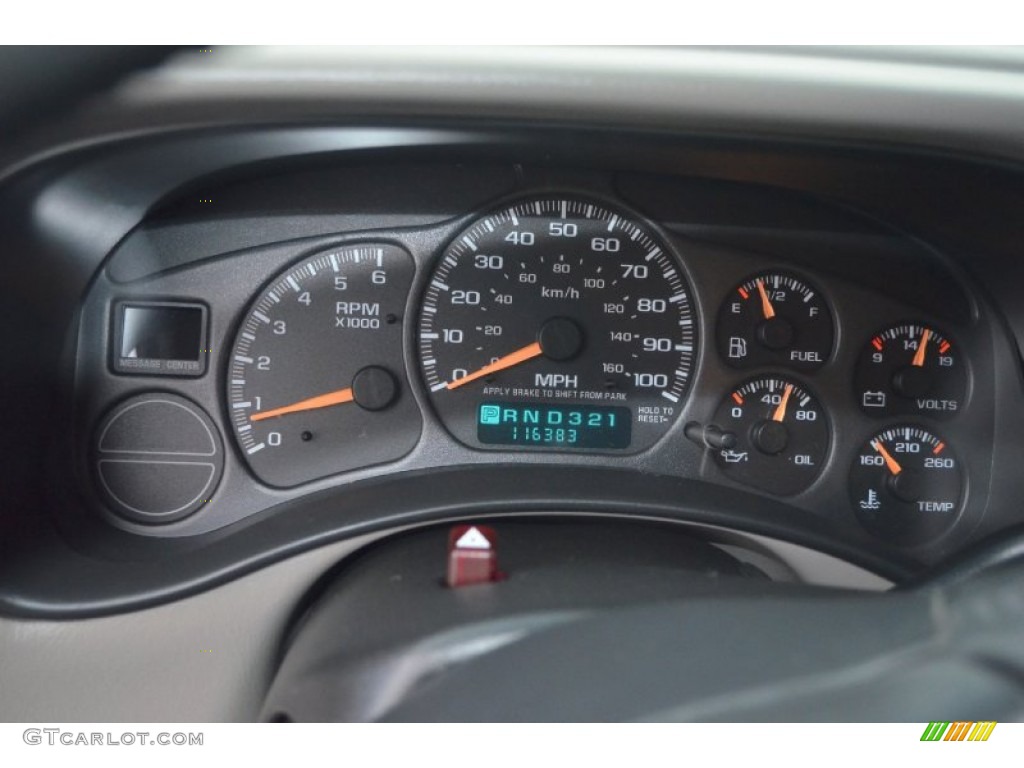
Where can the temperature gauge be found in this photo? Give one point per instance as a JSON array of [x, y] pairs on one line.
[[775, 319], [911, 369], [906, 486], [781, 435]]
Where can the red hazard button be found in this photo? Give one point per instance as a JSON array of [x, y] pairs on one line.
[[472, 555]]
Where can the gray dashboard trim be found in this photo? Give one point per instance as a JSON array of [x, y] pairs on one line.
[[961, 100], [210, 657]]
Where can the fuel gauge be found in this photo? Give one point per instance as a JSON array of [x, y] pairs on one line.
[[775, 319]]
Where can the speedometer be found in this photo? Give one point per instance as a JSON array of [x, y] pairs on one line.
[[559, 324]]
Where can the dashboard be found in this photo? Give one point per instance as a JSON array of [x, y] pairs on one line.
[[249, 338]]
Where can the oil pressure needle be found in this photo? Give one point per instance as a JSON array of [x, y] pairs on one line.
[[780, 410], [337, 397]]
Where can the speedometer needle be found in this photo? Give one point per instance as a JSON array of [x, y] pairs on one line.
[[766, 305], [528, 352], [890, 462], [780, 410], [337, 397]]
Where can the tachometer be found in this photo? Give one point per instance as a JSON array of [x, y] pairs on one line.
[[316, 381], [557, 323]]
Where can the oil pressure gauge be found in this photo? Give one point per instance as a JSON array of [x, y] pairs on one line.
[[911, 369], [775, 319], [781, 435]]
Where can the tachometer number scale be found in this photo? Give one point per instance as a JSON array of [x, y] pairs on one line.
[[316, 381]]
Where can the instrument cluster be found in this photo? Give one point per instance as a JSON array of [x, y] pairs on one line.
[[553, 326]]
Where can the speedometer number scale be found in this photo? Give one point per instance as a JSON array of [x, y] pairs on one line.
[[557, 324]]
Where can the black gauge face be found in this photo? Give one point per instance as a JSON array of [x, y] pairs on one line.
[[906, 485], [316, 381], [911, 369], [557, 324], [775, 319], [782, 435]]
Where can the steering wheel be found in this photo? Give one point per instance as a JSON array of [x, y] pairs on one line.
[[604, 622]]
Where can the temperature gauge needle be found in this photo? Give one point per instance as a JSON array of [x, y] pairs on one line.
[[780, 410], [922, 348], [890, 462], [766, 305], [528, 352], [337, 397]]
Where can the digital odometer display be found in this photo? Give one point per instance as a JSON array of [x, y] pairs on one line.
[[544, 424], [565, 303]]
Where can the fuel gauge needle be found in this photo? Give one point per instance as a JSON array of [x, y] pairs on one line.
[[337, 397], [766, 305], [521, 355], [780, 410], [922, 348], [890, 462]]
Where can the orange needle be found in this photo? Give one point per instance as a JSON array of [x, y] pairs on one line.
[[528, 352], [890, 462], [337, 397], [922, 347], [766, 305], [780, 409]]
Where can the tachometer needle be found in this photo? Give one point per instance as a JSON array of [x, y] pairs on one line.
[[890, 462], [337, 397], [780, 410], [528, 352], [766, 305], [922, 348]]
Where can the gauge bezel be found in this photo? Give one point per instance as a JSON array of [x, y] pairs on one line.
[[624, 213], [963, 476], [909, 415], [405, 398], [826, 455], [826, 301]]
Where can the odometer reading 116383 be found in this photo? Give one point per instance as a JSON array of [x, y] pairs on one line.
[[557, 324]]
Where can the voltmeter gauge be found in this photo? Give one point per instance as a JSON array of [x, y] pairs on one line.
[[775, 319], [781, 435], [906, 485], [911, 369]]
